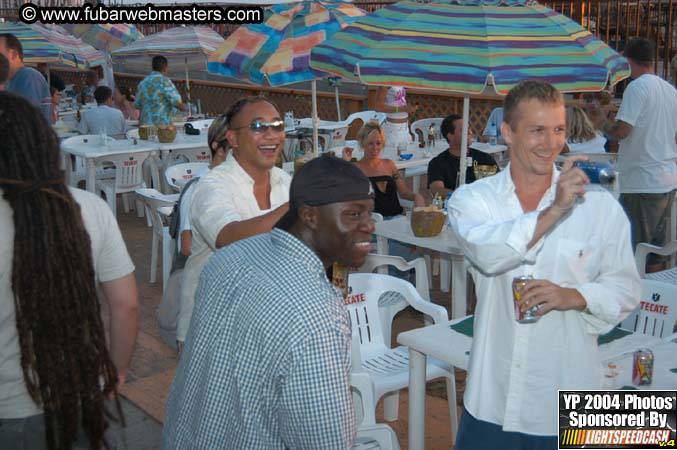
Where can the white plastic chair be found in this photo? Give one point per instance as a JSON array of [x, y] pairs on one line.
[[421, 127], [370, 435], [128, 178], [389, 368], [179, 174], [364, 116], [649, 318], [392, 302], [79, 171], [641, 253], [153, 201]]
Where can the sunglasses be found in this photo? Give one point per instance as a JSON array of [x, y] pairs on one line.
[[259, 126]]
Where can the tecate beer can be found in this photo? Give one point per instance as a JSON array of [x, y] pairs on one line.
[[339, 278], [599, 173], [642, 367], [522, 316]]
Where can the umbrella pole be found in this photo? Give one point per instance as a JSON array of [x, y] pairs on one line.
[[338, 105], [315, 118], [185, 61], [464, 140]]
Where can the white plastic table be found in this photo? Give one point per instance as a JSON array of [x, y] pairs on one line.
[[92, 150], [445, 243], [185, 142], [444, 343]]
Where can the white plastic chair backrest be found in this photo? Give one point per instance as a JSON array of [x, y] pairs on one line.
[[364, 116], [179, 174], [374, 261], [156, 200], [656, 314], [128, 168], [362, 306], [133, 133], [643, 249], [423, 125]]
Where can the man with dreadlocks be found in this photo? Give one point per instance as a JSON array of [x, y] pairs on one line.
[[56, 372]]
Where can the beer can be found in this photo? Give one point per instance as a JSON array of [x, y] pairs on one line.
[[339, 278], [642, 367], [522, 316]]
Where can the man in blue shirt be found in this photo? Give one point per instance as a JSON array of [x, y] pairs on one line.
[[25, 81], [266, 362]]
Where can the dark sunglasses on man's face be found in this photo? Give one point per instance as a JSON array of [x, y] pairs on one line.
[[259, 126]]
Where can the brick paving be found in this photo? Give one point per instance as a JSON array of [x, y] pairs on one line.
[[153, 363]]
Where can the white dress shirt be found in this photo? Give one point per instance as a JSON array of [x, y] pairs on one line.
[[102, 119], [518, 368], [222, 196]]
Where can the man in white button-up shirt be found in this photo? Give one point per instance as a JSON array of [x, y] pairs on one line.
[[243, 197], [532, 219]]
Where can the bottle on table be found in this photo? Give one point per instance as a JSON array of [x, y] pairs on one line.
[[431, 136], [493, 134]]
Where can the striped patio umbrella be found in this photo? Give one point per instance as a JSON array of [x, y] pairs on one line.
[[105, 36], [186, 47], [277, 51], [463, 45], [43, 45]]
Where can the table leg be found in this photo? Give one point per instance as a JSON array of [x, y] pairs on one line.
[[458, 287], [417, 362], [416, 184], [91, 174]]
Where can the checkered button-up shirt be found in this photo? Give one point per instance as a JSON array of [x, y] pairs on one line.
[[267, 358]]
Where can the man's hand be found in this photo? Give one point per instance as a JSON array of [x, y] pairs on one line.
[[347, 153], [571, 183], [550, 297]]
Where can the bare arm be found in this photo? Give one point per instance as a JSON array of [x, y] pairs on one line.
[[186, 242], [242, 229], [617, 130], [437, 187], [403, 189], [123, 298]]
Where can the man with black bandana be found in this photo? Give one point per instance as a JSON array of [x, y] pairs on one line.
[[267, 359]]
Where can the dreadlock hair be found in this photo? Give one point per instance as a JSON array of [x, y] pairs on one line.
[[65, 362]]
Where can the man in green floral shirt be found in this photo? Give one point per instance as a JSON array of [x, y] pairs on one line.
[[157, 96]]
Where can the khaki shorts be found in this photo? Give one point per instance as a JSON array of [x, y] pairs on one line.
[[649, 216]]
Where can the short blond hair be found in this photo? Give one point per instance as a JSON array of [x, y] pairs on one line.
[[367, 129], [579, 127], [539, 90]]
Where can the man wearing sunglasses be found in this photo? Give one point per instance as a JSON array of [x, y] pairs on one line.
[[243, 197]]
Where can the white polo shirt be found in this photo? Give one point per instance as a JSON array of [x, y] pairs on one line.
[[222, 196]]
